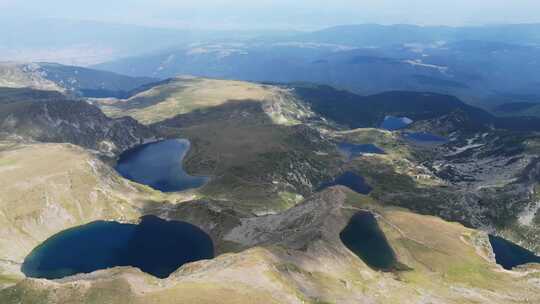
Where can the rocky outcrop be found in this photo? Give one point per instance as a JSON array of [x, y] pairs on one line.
[[57, 119]]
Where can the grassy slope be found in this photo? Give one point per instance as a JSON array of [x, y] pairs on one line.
[[47, 188], [62, 78], [13, 75], [184, 95], [245, 135], [254, 162]]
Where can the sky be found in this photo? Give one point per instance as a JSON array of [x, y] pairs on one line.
[[278, 14]]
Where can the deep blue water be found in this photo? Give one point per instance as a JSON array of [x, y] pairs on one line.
[[423, 137], [351, 180], [159, 165], [155, 246], [365, 239], [393, 123], [353, 150], [510, 255]]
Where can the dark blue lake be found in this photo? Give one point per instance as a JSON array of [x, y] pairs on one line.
[[510, 255], [159, 165], [155, 246], [425, 138], [351, 180], [353, 150], [365, 239], [393, 123]]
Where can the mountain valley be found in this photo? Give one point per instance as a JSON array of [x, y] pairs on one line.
[[267, 149]]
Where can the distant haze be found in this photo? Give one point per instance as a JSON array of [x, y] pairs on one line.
[[92, 32], [278, 14]]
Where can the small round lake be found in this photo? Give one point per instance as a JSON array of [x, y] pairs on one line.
[[351, 180], [159, 165], [155, 246], [365, 239], [510, 255]]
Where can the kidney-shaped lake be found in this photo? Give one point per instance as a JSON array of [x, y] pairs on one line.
[[159, 165]]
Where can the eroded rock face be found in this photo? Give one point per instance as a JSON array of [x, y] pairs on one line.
[[487, 180], [319, 217], [60, 120], [496, 176], [296, 228]]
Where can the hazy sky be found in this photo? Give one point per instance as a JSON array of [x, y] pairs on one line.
[[283, 14]]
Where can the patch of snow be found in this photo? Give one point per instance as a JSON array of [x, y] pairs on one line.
[[421, 47], [470, 145], [312, 45], [420, 63], [219, 50], [527, 216], [265, 213], [405, 120]]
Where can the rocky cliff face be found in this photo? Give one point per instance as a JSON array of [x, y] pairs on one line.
[[61, 120], [487, 180]]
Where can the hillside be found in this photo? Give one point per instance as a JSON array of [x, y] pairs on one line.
[[517, 109], [69, 79], [247, 136], [239, 142], [47, 116], [356, 111], [443, 263], [185, 94], [47, 188]]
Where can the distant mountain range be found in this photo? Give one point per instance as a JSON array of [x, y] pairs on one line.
[[85, 43], [376, 35], [481, 65]]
